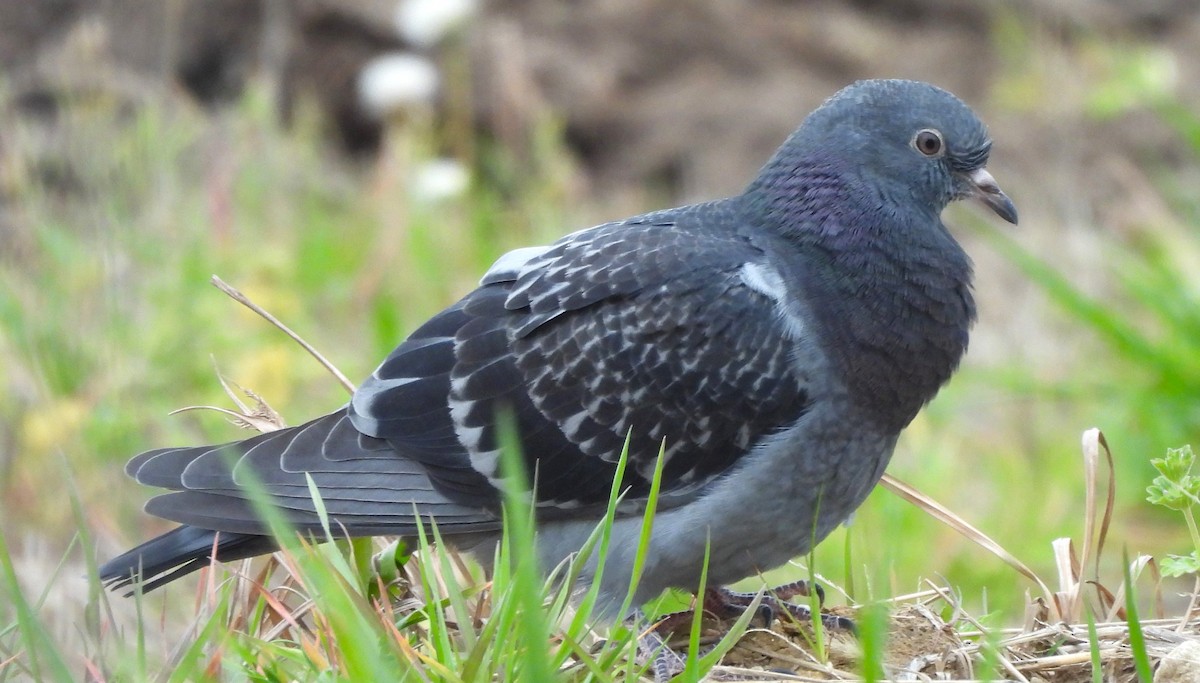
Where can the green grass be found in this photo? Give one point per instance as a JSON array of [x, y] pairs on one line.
[[321, 620], [1137, 638]]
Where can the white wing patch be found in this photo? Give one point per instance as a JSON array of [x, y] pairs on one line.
[[766, 281], [508, 266]]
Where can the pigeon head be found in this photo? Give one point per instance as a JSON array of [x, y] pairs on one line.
[[859, 189], [914, 144]]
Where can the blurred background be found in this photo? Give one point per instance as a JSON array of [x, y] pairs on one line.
[[354, 166]]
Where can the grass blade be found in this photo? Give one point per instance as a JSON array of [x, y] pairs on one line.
[[44, 658], [1137, 639], [533, 632], [1094, 648], [872, 637]]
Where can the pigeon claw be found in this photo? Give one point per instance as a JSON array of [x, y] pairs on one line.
[[655, 652]]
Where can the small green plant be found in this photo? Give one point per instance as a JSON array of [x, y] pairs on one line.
[[1094, 648], [872, 636], [1177, 488], [1137, 638]]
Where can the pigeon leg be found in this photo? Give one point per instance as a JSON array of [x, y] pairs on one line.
[[665, 662], [776, 600], [785, 592], [652, 647], [725, 604], [719, 602]]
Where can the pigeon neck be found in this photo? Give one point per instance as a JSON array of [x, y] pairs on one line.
[[889, 287]]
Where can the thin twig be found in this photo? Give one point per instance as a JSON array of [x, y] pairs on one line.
[[1004, 661], [952, 520], [1191, 607], [245, 301]]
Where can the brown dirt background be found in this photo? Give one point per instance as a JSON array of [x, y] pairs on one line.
[[685, 97]]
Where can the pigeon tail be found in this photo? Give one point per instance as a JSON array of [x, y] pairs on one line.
[[178, 553]]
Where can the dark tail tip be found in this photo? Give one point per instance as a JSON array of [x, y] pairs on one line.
[[176, 554]]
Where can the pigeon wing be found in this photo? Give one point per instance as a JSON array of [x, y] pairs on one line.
[[658, 329]]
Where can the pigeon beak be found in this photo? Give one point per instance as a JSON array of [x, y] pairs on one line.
[[985, 188]]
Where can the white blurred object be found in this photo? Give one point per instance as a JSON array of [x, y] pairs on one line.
[[440, 179], [395, 81], [427, 22]]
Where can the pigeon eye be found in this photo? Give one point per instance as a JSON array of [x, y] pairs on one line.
[[929, 142]]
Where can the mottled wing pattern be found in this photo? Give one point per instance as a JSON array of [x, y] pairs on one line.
[[644, 328]]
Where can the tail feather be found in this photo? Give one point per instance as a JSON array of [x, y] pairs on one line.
[[367, 488], [178, 553]]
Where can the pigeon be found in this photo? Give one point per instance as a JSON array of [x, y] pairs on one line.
[[771, 346]]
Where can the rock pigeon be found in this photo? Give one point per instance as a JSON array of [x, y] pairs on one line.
[[773, 344]]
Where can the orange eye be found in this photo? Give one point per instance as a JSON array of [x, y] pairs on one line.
[[929, 142]]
